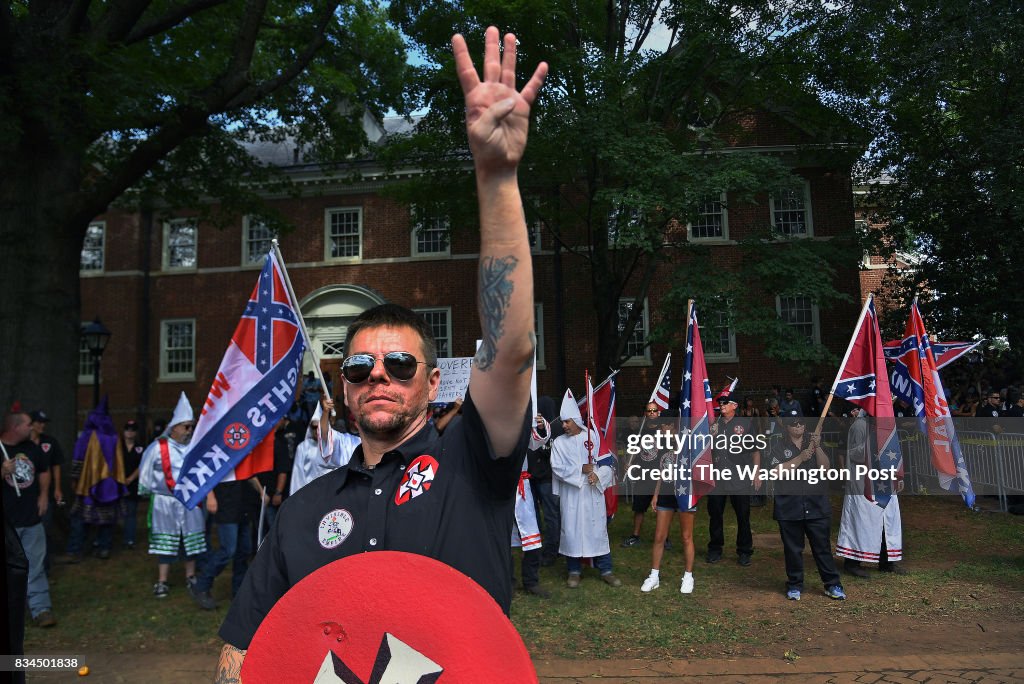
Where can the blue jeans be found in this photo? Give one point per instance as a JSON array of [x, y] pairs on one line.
[[602, 563], [33, 538], [130, 519], [235, 542], [76, 540]]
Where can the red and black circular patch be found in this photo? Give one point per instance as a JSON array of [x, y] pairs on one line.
[[236, 435]]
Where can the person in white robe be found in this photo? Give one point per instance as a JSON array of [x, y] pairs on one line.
[[580, 484], [320, 452], [173, 527], [867, 532]]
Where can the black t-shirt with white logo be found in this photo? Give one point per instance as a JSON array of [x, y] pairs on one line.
[[30, 462]]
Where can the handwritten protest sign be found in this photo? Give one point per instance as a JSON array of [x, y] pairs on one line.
[[454, 378]]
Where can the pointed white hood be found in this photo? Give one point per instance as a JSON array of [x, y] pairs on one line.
[[317, 414], [570, 410], [182, 412]]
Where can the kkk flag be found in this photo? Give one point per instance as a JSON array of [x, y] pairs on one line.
[[695, 412], [602, 420], [663, 389], [863, 380], [902, 354], [931, 408], [254, 388]]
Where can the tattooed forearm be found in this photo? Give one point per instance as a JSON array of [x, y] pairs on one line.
[[528, 364], [495, 295], [229, 669]]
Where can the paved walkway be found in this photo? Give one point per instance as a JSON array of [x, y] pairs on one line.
[[987, 668]]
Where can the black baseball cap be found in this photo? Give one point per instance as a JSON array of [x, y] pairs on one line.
[[39, 417]]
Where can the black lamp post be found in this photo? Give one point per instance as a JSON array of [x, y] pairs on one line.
[[96, 337]]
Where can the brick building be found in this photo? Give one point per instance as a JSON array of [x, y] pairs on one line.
[[171, 289]]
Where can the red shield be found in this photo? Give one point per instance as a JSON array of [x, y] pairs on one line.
[[387, 616]]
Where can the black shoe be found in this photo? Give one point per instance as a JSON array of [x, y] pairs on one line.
[[744, 559], [631, 540], [713, 557], [856, 570], [537, 591], [204, 600], [894, 568]]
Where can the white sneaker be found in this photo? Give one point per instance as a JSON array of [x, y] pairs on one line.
[[650, 584], [687, 586]]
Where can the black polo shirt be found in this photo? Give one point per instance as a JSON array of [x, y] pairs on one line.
[[443, 496], [805, 502], [728, 459]]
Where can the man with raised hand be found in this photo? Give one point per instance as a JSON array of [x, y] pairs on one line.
[[407, 488]]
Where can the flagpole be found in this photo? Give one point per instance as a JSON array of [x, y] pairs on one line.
[[846, 357], [590, 415], [654, 392], [298, 314]]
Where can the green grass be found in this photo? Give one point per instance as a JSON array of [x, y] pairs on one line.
[[965, 568]]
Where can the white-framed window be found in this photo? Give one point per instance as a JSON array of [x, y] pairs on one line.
[[711, 221], [791, 212], [178, 349], [801, 314], [343, 233], [92, 248], [538, 327], [181, 241], [718, 337], [256, 240], [431, 237], [332, 343], [440, 322], [86, 361], [637, 349]]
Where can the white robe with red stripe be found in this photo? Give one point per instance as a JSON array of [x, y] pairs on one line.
[[526, 531], [863, 521]]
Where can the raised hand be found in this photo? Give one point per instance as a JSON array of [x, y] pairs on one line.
[[497, 116]]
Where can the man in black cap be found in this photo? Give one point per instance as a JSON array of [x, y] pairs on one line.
[[52, 451], [729, 454]]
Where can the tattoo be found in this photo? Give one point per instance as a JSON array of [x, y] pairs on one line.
[[229, 669], [528, 364], [495, 295]]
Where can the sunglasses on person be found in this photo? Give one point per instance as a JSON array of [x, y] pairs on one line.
[[652, 410], [399, 365]]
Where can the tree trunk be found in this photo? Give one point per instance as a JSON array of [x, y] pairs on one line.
[[39, 309]]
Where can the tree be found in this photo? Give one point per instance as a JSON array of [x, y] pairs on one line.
[[640, 99], [155, 98], [940, 86]]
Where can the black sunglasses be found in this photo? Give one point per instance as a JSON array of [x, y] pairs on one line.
[[399, 365]]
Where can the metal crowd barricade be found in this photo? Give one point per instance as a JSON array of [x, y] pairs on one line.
[[984, 464], [1011, 450], [984, 454], [917, 464]]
